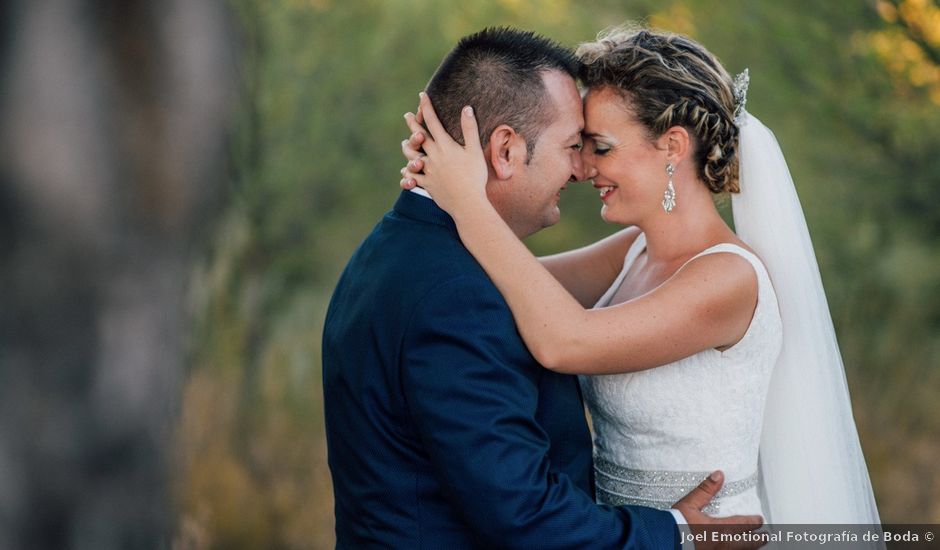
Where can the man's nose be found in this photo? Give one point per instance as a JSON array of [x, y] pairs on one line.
[[577, 168]]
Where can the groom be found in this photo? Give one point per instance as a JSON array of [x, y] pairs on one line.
[[443, 431]]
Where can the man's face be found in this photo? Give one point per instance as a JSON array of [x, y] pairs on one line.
[[531, 200]]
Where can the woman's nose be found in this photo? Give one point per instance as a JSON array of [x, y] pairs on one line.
[[582, 169], [588, 170]]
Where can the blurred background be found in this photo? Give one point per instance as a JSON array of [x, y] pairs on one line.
[[182, 184]]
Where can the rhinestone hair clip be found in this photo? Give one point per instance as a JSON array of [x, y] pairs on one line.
[[741, 83]]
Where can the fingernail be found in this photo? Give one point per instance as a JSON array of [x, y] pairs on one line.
[[468, 110], [421, 95], [716, 475]]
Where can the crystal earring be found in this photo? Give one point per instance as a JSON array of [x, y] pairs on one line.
[[669, 197]]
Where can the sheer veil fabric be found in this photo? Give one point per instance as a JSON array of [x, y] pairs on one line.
[[812, 470]]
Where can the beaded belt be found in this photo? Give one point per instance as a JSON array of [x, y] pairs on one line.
[[657, 488]]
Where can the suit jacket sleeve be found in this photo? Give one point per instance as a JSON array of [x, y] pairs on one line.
[[472, 390]]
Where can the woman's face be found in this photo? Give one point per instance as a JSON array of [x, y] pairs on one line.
[[628, 169]]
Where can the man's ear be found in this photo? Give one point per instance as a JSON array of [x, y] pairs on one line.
[[504, 151], [677, 143]]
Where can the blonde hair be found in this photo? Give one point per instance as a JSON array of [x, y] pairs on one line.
[[668, 80]]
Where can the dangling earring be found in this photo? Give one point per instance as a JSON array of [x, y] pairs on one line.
[[669, 197]]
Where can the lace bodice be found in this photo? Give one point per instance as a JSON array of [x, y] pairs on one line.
[[659, 432]]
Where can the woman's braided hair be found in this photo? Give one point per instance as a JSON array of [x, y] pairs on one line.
[[669, 80]]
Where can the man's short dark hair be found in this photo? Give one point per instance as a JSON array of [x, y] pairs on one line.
[[498, 71]]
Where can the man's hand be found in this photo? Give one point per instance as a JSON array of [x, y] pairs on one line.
[[703, 525]]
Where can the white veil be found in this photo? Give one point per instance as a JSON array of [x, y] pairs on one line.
[[812, 470]]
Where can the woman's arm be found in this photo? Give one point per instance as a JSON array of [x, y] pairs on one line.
[[587, 272], [706, 304]]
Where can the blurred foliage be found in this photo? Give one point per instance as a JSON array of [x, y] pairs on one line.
[[850, 89], [910, 47]]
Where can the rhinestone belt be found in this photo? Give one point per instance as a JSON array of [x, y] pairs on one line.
[[657, 488]]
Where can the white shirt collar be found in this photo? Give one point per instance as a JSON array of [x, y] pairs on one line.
[[421, 192]]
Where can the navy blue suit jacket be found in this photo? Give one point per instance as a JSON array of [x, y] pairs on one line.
[[442, 430]]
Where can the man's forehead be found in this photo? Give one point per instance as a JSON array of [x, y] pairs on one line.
[[570, 125], [564, 94], [573, 123], [567, 125], [561, 87]]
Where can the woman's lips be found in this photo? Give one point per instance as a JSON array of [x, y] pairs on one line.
[[606, 192]]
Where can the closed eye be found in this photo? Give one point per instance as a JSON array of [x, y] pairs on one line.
[[600, 150]]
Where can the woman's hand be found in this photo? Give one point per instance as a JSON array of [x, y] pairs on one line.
[[455, 175], [411, 149]]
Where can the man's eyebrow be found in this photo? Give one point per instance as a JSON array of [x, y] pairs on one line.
[[576, 135]]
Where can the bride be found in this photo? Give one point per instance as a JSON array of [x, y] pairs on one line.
[[710, 349]]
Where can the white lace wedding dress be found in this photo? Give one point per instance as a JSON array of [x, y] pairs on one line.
[[660, 432]]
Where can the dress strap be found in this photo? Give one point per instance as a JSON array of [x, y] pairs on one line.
[[638, 246], [766, 296], [732, 248]]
